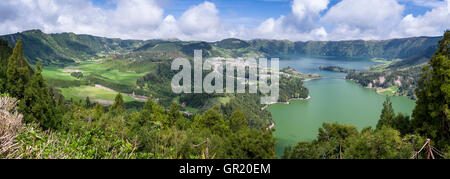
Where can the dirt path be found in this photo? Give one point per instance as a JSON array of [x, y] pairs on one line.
[[105, 88], [103, 102]]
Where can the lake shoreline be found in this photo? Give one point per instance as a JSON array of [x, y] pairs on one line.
[[287, 102]]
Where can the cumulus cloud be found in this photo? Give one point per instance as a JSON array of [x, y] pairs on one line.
[[307, 20], [431, 23], [81, 16], [303, 8], [201, 21], [283, 28], [356, 19], [363, 18], [299, 25], [137, 19], [137, 13]]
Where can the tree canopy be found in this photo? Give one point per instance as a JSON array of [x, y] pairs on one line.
[[431, 116]]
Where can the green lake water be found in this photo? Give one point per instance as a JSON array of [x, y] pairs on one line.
[[333, 99]]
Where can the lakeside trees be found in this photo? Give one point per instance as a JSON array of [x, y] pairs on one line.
[[405, 79], [394, 136], [336, 141], [431, 115]]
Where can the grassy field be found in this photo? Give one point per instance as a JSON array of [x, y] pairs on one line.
[[110, 70], [384, 64], [388, 91], [56, 73], [80, 93], [113, 75], [191, 110]]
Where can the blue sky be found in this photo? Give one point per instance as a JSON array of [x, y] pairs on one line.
[[249, 8], [211, 20], [254, 10]]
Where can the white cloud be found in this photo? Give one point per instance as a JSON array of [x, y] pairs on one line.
[[201, 21], [267, 27], [431, 23], [364, 19], [303, 8], [137, 13], [308, 20], [136, 19], [282, 29], [355, 19], [299, 25]]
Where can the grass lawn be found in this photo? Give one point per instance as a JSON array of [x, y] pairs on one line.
[[114, 71], [81, 92], [127, 78], [191, 110], [56, 73], [389, 91], [383, 64]]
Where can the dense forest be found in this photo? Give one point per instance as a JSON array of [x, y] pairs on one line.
[[38, 123], [405, 79]]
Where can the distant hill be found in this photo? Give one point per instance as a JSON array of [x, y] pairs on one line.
[[417, 59], [66, 47], [232, 44], [5, 52], [63, 48], [395, 48]]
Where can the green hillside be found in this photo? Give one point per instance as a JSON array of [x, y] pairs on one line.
[[63, 48], [395, 48]]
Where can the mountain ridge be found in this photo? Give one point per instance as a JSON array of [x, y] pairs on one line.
[[67, 47]]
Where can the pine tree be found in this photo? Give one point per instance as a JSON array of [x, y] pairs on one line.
[[37, 105], [212, 120], [5, 52], [174, 114], [18, 73], [88, 103], [98, 111], [387, 116], [238, 121], [431, 117], [119, 105], [402, 124]]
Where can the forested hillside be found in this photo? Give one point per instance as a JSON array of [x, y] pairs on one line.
[[404, 80], [36, 122], [68, 47]]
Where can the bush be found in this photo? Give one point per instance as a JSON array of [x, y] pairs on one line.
[[10, 124]]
